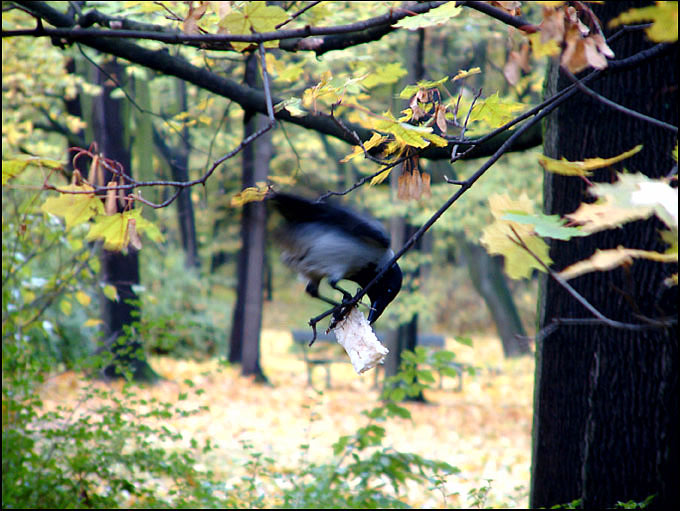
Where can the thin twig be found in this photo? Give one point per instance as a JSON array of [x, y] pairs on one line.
[[298, 13], [618, 107], [601, 318], [464, 186], [179, 185], [454, 151]]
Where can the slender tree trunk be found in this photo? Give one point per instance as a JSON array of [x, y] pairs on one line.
[[178, 160], [406, 336], [606, 414], [117, 268], [490, 283], [180, 172], [247, 319]]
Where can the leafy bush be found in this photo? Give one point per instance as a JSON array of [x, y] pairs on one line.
[[182, 318]]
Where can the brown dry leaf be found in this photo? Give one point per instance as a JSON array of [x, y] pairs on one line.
[[574, 56], [597, 51], [190, 25], [584, 50], [425, 177], [552, 26], [110, 206], [422, 96], [512, 8], [572, 20], [135, 240], [440, 117], [517, 61], [96, 171], [411, 183]]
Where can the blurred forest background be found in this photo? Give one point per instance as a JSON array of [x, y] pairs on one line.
[[225, 424]]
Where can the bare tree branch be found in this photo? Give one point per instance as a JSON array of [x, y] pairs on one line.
[[599, 317], [616, 106], [217, 41]]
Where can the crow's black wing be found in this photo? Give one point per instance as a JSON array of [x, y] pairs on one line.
[[299, 210]]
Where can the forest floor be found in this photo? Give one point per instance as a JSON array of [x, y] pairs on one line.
[[484, 430]]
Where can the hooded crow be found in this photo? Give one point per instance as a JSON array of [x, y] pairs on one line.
[[321, 240]]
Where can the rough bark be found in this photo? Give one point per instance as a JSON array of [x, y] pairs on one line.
[[606, 416]]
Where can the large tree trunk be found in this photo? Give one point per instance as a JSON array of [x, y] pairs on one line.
[[606, 400], [117, 268], [245, 334]]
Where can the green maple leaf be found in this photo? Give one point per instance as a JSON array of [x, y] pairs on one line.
[[437, 16], [390, 73], [12, 168], [550, 226], [495, 111]]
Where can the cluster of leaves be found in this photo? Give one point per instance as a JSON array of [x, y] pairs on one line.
[[49, 282], [364, 472], [517, 231], [106, 451], [181, 317], [101, 453]]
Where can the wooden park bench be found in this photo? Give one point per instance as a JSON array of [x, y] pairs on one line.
[[326, 351]]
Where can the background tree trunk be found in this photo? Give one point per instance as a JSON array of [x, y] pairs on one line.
[[178, 160], [406, 335], [117, 268], [489, 281], [245, 334], [606, 400]]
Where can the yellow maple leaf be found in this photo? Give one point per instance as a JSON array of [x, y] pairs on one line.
[[375, 140], [93, 322], [381, 177], [664, 16], [495, 111], [112, 229], [464, 73], [497, 237], [83, 298], [255, 17], [250, 194], [388, 73], [518, 262], [604, 260], [585, 167], [541, 48], [119, 229], [142, 225], [75, 209], [605, 214]]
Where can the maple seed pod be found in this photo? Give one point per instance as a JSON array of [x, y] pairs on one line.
[[357, 337]]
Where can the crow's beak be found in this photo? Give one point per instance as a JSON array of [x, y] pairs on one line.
[[377, 308], [384, 292]]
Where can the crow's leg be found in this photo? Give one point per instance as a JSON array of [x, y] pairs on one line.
[[313, 290], [345, 295]]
